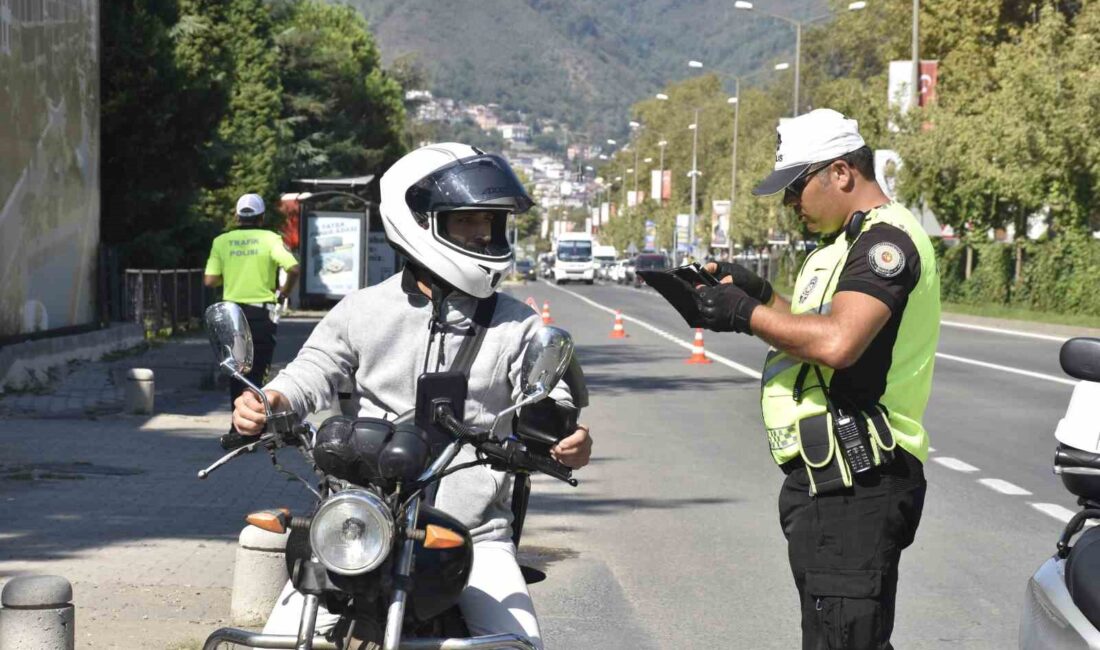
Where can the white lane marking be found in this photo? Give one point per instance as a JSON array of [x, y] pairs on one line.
[[1009, 369], [955, 464], [1054, 510], [687, 345], [997, 330], [1004, 487]]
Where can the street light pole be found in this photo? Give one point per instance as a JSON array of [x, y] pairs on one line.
[[694, 175], [736, 101], [797, 24], [915, 80], [797, 65], [635, 174]]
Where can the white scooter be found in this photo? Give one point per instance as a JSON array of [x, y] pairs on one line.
[[1062, 603]]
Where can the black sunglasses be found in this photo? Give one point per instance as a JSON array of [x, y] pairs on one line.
[[794, 190]]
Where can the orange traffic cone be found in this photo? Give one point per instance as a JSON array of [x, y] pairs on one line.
[[618, 331], [698, 354], [546, 320], [532, 304]]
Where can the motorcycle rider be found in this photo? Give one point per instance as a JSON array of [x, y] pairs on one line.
[[445, 207]]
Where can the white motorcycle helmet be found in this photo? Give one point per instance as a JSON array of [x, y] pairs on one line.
[[424, 189]]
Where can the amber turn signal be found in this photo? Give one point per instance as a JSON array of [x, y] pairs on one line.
[[440, 537], [273, 521]]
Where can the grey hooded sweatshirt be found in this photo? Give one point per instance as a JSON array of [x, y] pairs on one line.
[[382, 335]]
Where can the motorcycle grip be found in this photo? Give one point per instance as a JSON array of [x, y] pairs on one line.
[[234, 440], [519, 459]]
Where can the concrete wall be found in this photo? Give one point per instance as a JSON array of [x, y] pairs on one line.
[[49, 163]]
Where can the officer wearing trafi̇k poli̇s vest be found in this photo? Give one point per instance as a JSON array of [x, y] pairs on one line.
[[245, 261], [846, 382]]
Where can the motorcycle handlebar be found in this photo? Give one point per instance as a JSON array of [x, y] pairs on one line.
[[515, 457], [281, 429], [511, 455]]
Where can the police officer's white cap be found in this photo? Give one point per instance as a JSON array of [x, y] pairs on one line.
[[820, 135], [250, 205]]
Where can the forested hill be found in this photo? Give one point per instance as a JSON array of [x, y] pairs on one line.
[[583, 62]]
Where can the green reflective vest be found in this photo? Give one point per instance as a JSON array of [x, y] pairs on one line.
[[247, 259], [909, 380]]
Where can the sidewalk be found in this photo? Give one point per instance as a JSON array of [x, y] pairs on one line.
[[112, 501]]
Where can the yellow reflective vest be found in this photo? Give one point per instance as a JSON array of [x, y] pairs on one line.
[[909, 378]]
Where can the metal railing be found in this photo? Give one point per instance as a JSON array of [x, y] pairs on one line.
[[165, 299]]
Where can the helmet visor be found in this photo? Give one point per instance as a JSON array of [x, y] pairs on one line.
[[484, 233], [485, 181]]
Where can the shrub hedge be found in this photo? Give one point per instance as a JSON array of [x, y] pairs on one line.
[[1060, 275]]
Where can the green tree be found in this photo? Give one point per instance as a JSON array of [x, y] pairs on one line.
[[1015, 147], [243, 156], [343, 113], [157, 116]]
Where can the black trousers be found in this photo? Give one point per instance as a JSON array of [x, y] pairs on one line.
[[263, 349], [844, 549]]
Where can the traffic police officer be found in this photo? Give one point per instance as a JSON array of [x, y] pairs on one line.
[[846, 382], [245, 260]]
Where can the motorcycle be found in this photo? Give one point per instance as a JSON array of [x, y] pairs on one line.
[[1062, 601], [374, 550]]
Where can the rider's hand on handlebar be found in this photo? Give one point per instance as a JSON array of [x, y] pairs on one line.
[[574, 450], [249, 416]]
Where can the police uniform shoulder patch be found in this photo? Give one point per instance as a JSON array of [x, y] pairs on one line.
[[886, 259]]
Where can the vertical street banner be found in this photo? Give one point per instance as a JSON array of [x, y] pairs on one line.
[[605, 212], [588, 226], [594, 215], [929, 76], [666, 186], [899, 86], [650, 236], [655, 184], [683, 221], [544, 227], [720, 224], [632, 198]]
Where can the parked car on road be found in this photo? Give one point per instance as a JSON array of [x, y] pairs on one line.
[[525, 269], [622, 271], [647, 262]]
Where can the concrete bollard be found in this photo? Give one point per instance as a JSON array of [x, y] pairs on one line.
[[37, 614], [259, 575], [139, 391]]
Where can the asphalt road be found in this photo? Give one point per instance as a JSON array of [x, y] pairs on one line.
[[672, 538]]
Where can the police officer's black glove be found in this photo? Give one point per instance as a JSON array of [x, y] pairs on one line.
[[726, 308], [753, 284]]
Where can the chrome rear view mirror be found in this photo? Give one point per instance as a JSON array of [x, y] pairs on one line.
[[230, 336]]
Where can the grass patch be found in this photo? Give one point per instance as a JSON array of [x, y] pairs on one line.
[[1017, 313]]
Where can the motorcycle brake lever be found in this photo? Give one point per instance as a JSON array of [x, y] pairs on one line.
[[265, 438]]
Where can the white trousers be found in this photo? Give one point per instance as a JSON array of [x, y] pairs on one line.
[[495, 601]]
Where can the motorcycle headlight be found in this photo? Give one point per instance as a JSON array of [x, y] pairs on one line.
[[352, 532]]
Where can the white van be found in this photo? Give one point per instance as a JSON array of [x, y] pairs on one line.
[[604, 256], [573, 258]]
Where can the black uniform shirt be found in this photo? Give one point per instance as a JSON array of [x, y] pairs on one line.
[[883, 263]]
